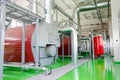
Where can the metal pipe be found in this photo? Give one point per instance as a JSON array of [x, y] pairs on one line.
[[23, 43], [69, 46], [2, 36], [37, 46], [92, 36], [105, 40], [63, 48], [86, 8], [90, 48], [57, 17], [108, 7], [74, 45], [49, 6]]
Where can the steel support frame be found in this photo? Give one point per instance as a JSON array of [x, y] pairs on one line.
[[37, 46], [63, 48], [92, 37], [4, 5], [23, 43], [2, 36], [69, 47], [56, 17], [21, 11], [90, 47]]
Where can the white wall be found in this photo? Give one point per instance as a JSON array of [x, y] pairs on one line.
[[115, 6]]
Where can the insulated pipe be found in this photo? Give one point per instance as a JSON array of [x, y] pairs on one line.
[[86, 8], [49, 6], [74, 45]]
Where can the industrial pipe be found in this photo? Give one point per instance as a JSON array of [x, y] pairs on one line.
[[49, 6], [86, 8]]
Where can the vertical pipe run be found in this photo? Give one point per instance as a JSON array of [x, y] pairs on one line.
[[90, 48], [63, 48], [57, 17], [69, 46], [56, 57], [49, 6], [93, 46], [105, 40], [37, 46], [76, 19], [108, 8], [2, 36], [23, 43], [74, 45]]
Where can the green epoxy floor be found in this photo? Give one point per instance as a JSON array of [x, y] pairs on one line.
[[12, 73], [99, 69]]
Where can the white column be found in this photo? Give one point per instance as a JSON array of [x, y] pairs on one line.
[[111, 37], [115, 8]]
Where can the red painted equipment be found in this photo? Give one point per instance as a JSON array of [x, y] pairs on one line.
[[13, 44], [98, 46], [66, 48]]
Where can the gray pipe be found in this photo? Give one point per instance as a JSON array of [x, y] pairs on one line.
[[78, 9], [86, 8], [49, 6]]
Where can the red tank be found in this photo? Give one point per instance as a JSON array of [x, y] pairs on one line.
[[13, 44], [66, 43], [98, 46]]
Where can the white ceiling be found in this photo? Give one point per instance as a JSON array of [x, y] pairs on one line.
[[69, 5], [87, 18]]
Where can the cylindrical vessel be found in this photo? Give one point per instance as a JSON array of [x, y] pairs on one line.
[[13, 44], [98, 46]]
